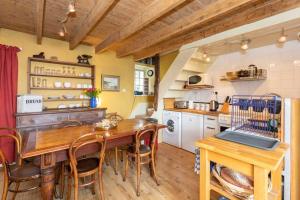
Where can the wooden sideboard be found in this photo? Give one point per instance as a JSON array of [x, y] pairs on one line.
[[53, 118]]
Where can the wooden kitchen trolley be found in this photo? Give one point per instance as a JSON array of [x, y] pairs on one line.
[[253, 162]]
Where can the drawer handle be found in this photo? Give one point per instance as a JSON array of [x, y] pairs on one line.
[[211, 119], [210, 128]]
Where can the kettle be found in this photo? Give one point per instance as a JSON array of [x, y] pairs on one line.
[[214, 104]]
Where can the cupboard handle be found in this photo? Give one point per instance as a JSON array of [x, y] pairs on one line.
[[210, 119], [210, 128]]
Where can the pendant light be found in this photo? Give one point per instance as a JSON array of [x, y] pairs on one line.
[[245, 44], [283, 37]]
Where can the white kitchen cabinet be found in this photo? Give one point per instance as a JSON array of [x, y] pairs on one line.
[[211, 126], [191, 131]]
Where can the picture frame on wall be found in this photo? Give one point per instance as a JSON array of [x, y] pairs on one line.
[[110, 83]]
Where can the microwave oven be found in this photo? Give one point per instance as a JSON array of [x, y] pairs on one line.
[[199, 79]]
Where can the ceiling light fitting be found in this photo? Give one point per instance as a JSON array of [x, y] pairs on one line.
[[71, 7], [245, 44], [283, 37]]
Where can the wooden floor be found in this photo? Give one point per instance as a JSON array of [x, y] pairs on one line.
[[175, 173]]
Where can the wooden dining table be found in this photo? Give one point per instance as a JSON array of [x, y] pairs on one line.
[[51, 146]]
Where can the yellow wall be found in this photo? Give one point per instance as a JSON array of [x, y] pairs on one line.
[[106, 63], [165, 62]]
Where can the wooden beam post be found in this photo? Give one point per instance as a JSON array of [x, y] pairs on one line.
[[40, 10], [155, 10], [93, 18], [245, 16], [208, 13]]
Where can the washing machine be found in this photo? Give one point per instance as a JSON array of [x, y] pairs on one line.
[[172, 134]]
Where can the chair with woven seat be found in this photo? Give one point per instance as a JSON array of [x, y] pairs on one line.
[[19, 172], [143, 154], [86, 167], [117, 150]]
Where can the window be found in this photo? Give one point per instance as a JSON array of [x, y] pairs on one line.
[[144, 80], [139, 82]]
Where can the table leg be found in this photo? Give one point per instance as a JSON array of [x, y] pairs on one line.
[[47, 175], [276, 180], [204, 175], [260, 183]]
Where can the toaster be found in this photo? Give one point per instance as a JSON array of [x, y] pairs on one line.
[[181, 104]]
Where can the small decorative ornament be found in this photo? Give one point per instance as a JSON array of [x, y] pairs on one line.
[[40, 55], [84, 59]]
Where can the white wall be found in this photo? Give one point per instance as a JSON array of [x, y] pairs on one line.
[[282, 64]]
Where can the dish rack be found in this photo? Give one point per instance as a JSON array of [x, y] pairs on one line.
[[256, 114]]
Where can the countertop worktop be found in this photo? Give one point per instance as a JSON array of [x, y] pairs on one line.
[[196, 111]]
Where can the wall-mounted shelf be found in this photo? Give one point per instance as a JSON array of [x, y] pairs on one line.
[[30, 59], [244, 79], [192, 71], [40, 88], [61, 76], [197, 87], [75, 99]]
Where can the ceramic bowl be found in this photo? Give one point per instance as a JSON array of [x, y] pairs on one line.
[[67, 84], [57, 84]]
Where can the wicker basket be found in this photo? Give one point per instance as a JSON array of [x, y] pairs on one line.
[[239, 192]]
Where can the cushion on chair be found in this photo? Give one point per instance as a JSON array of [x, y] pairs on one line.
[[26, 172], [87, 164], [143, 149]]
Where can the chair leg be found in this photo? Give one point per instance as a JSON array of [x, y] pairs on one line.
[[100, 182], [116, 161], [69, 187], [76, 187], [5, 188], [126, 167], [16, 189], [154, 170], [62, 181], [138, 174], [93, 189]]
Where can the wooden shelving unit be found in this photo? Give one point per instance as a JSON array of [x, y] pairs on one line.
[[62, 70], [244, 79], [197, 87]]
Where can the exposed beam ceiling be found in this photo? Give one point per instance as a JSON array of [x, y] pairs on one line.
[[149, 14], [96, 14], [40, 10], [246, 16], [211, 11]]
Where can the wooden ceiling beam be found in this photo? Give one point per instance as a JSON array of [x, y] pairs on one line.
[[149, 14], [93, 18], [245, 16], [208, 13], [40, 13]]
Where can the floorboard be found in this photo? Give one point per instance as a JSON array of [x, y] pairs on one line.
[[176, 176]]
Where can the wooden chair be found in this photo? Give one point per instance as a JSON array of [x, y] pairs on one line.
[[117, 150], [84, 168], [62, 172], [17, 173], [143, 154]]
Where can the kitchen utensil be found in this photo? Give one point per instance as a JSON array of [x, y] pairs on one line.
[[243, 73], [252, 70], [67, 84], [225, 107], [232, 75], [214, 104], [274, 106], [258, 105]]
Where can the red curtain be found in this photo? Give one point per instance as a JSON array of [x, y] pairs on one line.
[[8, 95]]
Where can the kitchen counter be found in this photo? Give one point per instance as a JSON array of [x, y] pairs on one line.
[[195, 111]]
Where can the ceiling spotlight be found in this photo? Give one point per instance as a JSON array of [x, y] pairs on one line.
[[204, 55], [207, 59], [71, 7], [245, 44], [282, 37]]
